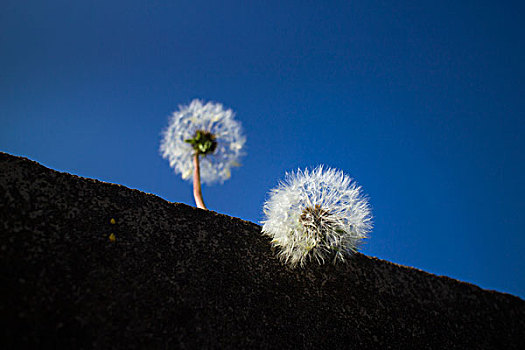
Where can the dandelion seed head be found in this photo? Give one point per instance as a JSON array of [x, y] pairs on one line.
[[207, 118], [318, 214]]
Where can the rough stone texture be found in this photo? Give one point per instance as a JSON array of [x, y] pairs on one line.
[[180, 277]]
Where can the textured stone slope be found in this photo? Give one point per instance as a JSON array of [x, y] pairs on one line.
[[180, 277]]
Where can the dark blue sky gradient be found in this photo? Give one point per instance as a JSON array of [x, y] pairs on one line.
[[422, 102]]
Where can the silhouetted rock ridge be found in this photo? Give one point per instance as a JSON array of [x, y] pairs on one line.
[[166, 275]]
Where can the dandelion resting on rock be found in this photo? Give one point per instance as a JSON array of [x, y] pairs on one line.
[[204, 140], [316, 215]]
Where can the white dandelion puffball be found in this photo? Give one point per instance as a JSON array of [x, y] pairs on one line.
[[209, 118], [316, 215]]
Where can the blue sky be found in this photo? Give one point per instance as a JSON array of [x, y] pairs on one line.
[[421, 102]]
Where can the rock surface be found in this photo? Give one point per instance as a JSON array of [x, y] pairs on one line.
[[166, 275]]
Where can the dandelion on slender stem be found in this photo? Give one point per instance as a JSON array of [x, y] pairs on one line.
[[204, 140]]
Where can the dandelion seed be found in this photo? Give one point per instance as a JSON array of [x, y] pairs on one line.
[[203, 139], [316, 215]]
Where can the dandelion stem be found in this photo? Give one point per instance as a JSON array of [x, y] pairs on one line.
[[197, 192]]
